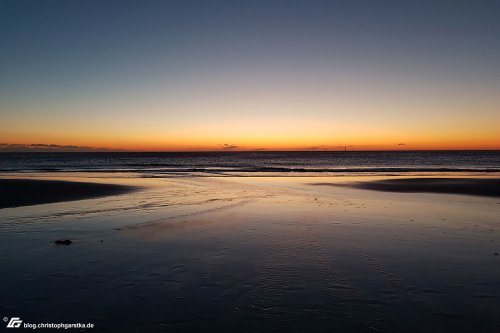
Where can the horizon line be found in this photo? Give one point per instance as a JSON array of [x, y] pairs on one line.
[[245, 151]]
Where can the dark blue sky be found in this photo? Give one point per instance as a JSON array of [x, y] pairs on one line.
[[50, 40]]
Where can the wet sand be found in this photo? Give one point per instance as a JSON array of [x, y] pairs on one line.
[[25, 192], [489, 187], [256, 255]]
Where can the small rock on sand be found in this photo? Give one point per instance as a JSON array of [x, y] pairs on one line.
[[63, 242]]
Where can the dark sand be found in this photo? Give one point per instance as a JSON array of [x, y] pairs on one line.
[[470, 186], [26, 192]]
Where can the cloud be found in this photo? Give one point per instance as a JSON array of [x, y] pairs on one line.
[[42, 147], [322, 147], [338, 147], [401, 144], [228, 146]]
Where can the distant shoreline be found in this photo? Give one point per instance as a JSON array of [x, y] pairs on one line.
[[28, 192]]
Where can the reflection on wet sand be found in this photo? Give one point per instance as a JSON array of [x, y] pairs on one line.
[[254, 254]]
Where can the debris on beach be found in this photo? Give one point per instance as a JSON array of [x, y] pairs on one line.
[[63, 242]]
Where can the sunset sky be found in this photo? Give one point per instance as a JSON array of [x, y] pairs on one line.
[[246, 75]]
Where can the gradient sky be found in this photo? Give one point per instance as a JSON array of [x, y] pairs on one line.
[[211, 75]]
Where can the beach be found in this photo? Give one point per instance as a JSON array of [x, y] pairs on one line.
[[255, 254]]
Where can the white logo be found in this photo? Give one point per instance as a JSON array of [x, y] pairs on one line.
[[14, 322]]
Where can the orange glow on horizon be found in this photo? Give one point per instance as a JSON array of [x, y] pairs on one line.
[[263, 145], [278, 134]]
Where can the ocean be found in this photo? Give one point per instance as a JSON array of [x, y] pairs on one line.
[[258, 163]]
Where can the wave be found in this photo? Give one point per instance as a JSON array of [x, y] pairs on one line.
[[244, 170]]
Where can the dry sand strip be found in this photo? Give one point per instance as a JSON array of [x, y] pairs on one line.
[[27, 192], [488, 187]]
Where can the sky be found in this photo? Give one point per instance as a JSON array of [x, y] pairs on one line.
[[249, 75]]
